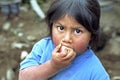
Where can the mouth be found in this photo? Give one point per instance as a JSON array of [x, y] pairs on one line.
[[67, 46], [66, 49]]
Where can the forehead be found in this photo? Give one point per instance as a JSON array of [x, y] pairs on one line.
[[67, 19]]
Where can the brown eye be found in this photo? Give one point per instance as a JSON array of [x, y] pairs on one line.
[[60, 28], [77, 31]]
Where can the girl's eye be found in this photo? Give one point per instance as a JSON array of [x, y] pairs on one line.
[[77, 31], [60, 28]]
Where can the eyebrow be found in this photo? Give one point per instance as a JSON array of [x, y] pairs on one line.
[[77, 26], [58, 23]]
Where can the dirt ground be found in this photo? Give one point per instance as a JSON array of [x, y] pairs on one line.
[[31, 25]]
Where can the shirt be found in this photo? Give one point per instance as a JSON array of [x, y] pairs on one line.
[[86, 66]]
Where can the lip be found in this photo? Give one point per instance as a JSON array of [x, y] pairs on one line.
[[68, 46]]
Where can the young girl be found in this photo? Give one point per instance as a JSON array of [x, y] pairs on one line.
[[67, 54]]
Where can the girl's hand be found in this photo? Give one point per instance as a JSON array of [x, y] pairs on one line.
[[62, 56]]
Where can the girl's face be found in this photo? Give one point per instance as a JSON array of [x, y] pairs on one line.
[[71, 34]]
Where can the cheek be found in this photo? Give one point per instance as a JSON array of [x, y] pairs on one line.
[[80, 46], [55, 40]]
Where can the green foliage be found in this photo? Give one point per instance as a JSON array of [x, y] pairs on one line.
[[40, 1], [25, 1]]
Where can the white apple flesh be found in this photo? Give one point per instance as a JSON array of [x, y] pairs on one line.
[[64, 49]]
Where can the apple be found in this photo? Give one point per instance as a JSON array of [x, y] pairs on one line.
[[64, 49]]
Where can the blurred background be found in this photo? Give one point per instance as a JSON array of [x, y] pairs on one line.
[[19, 33]]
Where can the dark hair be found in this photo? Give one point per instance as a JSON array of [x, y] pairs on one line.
[[86, 12]]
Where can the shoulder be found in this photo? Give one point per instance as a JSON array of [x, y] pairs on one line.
[[44, 42], [97, 68], [92, 60], [95, 62]]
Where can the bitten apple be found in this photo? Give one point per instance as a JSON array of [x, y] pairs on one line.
[[64, 49]]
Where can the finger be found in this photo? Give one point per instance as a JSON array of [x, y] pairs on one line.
[[57, 48], [57, 55], [61, 42], [64, 51], [63, 54], [70, 55]]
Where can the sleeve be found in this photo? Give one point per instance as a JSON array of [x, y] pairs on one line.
[[34, 56], [100, 74]]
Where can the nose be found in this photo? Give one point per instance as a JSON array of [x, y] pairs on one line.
[[67, 38]]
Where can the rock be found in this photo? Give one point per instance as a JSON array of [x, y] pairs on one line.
[[19, 45], [16, 31], [23, 54], [24, 8], [3, 78], [6, 26], [2, 38], [31, 38], [113, 46], [105, 5], [116, 78], [20, 34], [109, 31], [10, 74], [117, 39], [20, 25]]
